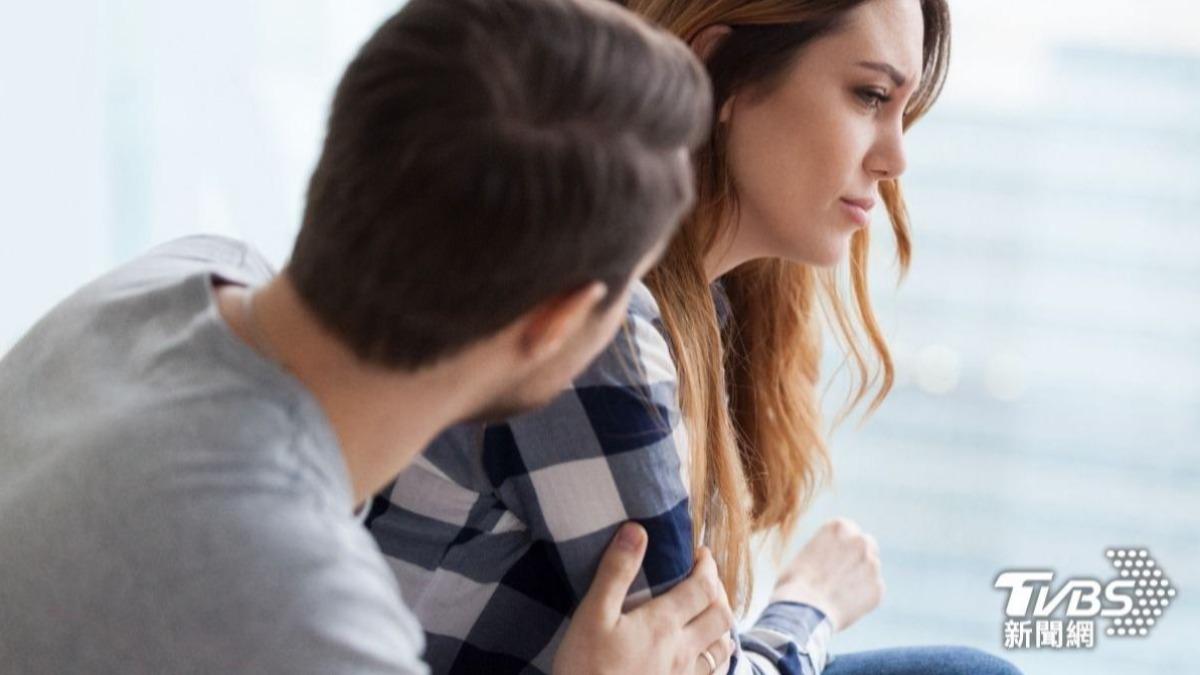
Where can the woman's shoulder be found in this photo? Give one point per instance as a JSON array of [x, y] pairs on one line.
[[639, 354], [643, 306], [642, 303]]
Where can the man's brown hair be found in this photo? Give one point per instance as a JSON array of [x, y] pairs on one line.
[[483, 156]]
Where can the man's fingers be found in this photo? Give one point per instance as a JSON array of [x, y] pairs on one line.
[[721, 651], [692, 595], [708, 628], [618, 569]]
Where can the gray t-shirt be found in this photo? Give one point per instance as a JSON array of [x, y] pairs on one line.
[[172, 502]]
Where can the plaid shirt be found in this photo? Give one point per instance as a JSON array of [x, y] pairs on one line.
[[496, 532]]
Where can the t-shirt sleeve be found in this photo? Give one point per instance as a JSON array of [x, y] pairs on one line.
[[287, 592]]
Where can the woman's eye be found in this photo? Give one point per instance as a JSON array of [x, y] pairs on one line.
[[873, 98]]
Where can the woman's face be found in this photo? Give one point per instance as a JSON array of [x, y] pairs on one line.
[[806, 157]]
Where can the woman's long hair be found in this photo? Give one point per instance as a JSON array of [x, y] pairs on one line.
[[757, 461]]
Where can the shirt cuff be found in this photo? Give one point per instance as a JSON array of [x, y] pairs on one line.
[[805, 625]]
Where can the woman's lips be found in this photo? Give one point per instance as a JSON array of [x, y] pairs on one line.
[[859, 210]]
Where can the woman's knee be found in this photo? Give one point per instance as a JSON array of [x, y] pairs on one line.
[[972, 661], [925, 660]]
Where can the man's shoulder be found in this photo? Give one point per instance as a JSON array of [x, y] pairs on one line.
[[165, 275], [225, 256]]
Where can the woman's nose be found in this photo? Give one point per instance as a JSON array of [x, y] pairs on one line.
[[887, 159]]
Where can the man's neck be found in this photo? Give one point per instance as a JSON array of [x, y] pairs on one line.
[[382, 419]]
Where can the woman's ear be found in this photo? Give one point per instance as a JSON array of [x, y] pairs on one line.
[[704, 44]]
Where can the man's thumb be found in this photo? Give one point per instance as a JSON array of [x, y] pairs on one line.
[[618, 569]]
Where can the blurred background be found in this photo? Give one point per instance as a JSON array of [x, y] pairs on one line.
[[1047, 339]]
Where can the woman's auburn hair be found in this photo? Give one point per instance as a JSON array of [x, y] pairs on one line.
[[759, 456]]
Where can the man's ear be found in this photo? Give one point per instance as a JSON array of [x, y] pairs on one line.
[[552, 323], [704, 44]]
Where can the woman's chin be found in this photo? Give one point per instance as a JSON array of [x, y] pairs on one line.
[[828, 254]]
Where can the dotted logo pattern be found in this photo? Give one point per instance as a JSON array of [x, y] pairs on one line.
[[1153, 593]]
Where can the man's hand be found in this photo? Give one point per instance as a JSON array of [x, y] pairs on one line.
[[665, 636]]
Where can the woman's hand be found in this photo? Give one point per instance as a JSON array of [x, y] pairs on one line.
[[837, 571], [665, 636]]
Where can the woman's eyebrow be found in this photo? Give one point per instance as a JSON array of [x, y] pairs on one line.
[[885, 68]]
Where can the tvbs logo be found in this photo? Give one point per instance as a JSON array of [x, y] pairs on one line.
[[1132, 601]]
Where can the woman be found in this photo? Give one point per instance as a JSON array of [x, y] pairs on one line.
[[703, 423]]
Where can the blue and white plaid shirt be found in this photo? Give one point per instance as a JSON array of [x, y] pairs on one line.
[[496, 532]]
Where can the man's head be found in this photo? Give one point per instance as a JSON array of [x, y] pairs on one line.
[[498, 165]]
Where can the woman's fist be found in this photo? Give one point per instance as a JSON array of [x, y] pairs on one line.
[[837, 571]]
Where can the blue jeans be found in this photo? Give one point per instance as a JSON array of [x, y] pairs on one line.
[[920, 661]]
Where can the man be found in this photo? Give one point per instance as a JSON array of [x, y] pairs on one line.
[[183, 441]]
